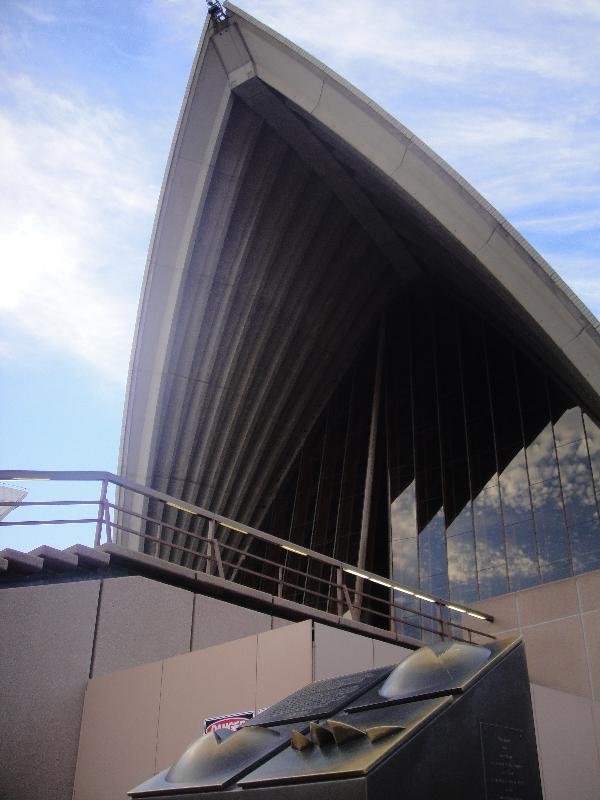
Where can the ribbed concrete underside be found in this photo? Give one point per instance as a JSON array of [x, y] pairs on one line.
[[263, 330]]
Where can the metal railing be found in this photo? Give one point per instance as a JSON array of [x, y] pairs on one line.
[[242, 555]]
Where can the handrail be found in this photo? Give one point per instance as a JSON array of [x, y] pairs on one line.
[[345, 584]]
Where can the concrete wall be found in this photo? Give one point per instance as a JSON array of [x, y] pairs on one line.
[[126, 739], [54, 637], [46, 639], [560, 624], [567, 728]]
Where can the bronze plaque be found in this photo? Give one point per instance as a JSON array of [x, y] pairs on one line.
[[504, 762]]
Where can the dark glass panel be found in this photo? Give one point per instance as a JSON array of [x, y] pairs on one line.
[[514, 489], [585, 546], [504, 399], [568, 427], [593, 441], [492, 582], [462, 572], [403, 514], [479, 428], [541, 456], [549, 522], [462, 523], [488, 526], [523, 569], [576, 479], [428, 467], [405, 561], [406, 614], [400, 455], [432, 550], [556, 571], [451, 412], [436, 585], [483, 467], [533, 397], [489, 541]]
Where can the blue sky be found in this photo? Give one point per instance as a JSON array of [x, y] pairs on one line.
[[507, 92]]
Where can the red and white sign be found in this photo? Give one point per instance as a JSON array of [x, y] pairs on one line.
[[230, 722]]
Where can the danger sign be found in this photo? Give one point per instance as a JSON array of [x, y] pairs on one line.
[[230, 722]]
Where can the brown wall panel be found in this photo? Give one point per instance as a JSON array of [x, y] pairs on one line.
[[140, 621], [206, 683], [284, 662], [119, 733], [216, 621], [384, 654], [339, 652]]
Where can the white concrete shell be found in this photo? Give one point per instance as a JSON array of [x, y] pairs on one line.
[[292, 207]]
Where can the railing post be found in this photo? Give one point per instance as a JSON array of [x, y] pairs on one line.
[[441, 616], [101, 514], [210, 546], [214, 543], [354, 612], [107, 519], [339, 582]]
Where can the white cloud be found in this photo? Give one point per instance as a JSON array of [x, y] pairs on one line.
[[573, 222], [434, 41], [75, 195], [582, 273], [568, 8]]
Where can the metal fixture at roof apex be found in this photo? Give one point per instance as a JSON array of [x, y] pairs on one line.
[[216, 10]]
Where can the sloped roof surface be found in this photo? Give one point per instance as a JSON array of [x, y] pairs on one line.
[[293, 209]]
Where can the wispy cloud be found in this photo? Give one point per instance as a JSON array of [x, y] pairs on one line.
[[36, 13], [75, 196]]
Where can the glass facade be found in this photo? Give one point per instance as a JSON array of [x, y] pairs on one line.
[[486, 473]]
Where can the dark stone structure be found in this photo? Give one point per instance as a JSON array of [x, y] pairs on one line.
[[453, 720]]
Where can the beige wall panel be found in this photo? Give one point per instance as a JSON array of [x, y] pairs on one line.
[[339, 652], [385, 654], [544, 603], [503, 609], [556, 656], [284, 662], [589, 591], [140, 621], [279, 622], [46, 638], [567, 745], [591, 628], [216, 621], [119, 731], [218, 680], [596, 717]]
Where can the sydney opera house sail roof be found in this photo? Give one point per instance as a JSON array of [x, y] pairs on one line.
[[299, 227]]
